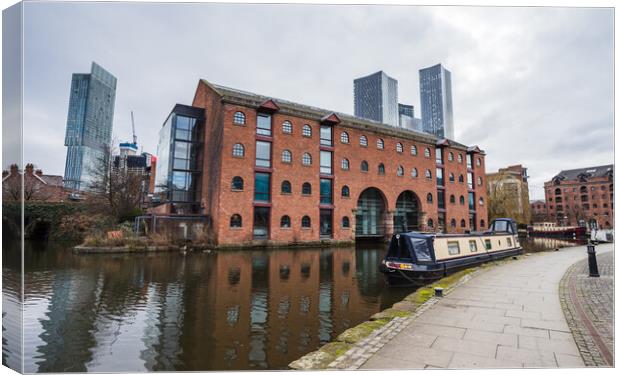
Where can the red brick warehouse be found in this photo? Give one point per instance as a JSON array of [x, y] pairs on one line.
[[268, 171]]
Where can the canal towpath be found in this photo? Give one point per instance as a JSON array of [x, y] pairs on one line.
[[510, 316]]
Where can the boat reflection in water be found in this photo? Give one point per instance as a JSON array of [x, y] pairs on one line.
[[213, 311], [534, 244]]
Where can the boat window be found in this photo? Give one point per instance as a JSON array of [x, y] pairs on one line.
[[500, 226], [453, 248], [472, 246], [487, 244], [421, 249], [509, 240]]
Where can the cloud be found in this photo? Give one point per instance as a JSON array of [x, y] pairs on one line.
[[526, 81]]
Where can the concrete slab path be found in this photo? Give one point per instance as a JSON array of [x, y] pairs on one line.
[[507, 317]]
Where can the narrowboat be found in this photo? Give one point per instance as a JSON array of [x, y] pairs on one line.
[[554, 230], [415, 258]]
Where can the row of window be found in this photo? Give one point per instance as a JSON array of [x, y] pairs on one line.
[[430, 223], [287, 128], [237, 184], [583, 189], [236, 221]]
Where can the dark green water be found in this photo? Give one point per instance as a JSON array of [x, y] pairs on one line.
[[230, 310]]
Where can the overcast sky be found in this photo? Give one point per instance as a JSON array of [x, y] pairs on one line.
[[530, 85]]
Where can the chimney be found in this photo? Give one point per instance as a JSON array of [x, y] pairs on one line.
[[39, 172], [29, 168]]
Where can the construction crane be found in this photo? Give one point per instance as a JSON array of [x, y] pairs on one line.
[[133, 130]]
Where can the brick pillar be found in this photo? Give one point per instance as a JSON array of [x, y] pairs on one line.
[[353, 223], [388, 221]]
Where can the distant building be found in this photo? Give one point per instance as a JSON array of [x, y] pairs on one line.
[[36, 185], [538, 208], [436, 101], [89, 124], [405, 116], [417, 124], [509, 194], [376, 98], [578, 197], [143, 164]]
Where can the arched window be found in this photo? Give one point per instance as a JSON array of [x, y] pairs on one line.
[[306, 159], [287, 127], [479, 181], [414, 150], [287, 157], [478, 162], [460, 158], [400, 171], [306, 131], [345, 191], [235, 221], [450, 156], [239, 118], [481, 224], [452, 198], [428, 174], [453, 223], [237, 183], [463, 224], [344, 164], [399, 147], [306, 188], [481, 201], [381, 168], [285, 222], [414, 172], [345, 222], [305, 222], [427, 152], [344, 137], [461, 178], [286, 187], [558, 191], [238, 150], [363, 141], [364, 166], [462, 199], [380, 144], [583, 190], [429, 223], [429, 198], [451, 178]]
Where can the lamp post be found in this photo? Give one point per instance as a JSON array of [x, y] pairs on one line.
[[592, 265]]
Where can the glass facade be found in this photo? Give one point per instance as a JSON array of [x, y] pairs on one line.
[[89, 125], [326, 191], [376, 98], [262, 187], [436, 101]]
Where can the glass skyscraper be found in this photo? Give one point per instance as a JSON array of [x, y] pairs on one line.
[[376, 98], [436, 101], [405, 116], [89, 124]]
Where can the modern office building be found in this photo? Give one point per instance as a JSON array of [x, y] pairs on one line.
[[436, 101], [268, 171], [376, 98], [405, 116], [417, 124], [89, 124], [578, 197]]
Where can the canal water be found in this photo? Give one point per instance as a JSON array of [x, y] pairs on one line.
[[229, 310]]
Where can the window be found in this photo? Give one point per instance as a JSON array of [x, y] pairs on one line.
[[305, 222], [237, 183], [480, 201], [429, 198], [470, 180], [427, 152], [439, 175], [235, 221], [461, 180], [463, 224], [287, 127], [462, 200], [473, 247], [441, 199], [414, 150], [260, 229], [326, 135], [414, 172], [453, 223], [364, 166], [287, 157], [399, 147], [509, 240], [482, 224], [185, 126], [345, 191], [438, 156], [263, 154], [429, 223], [478, 162], [381, 168], [306, 159], [400, 171], [326, 191], [380, 144], [345, 222], [263, 124], [238, 150], [450, 156], [306, 131], [452, 199], [326, 162], [460, 158], [451, 177], [286, 187], [487, 244], [306, 188], [479, 179], [453, 248], [428, 174], [344, 137], [285, 222], [344, 164], [472, 201], [469, 161], [239, 118], [262, 182], [363, 141]]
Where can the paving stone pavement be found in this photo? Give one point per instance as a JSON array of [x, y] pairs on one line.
[[509, 316], [588, 304]]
